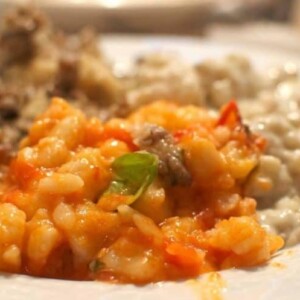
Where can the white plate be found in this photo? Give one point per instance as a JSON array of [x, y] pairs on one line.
[[278, 280], [125, 15]]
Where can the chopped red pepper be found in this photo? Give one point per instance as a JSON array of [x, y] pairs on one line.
[[184, 256], [230, 115], [24, 172]]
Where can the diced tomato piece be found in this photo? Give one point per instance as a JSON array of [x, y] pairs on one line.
[[230, 115], [184, 256], [179, 134], [24, 172]]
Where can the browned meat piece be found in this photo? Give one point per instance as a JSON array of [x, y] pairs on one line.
[[38, 62], [157, 140], [82, 72], [9, 105], [71, 49], [18, 106], [17, 35], [67, 75]]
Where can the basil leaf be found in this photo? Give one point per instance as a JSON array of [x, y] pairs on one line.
[[134, 172], [118, 187], [96, 265]]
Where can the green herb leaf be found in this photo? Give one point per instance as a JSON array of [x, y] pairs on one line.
[[134, 172], [96, 265]]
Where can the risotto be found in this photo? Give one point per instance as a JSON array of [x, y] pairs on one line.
[[118, 185], [158, 195], [269, 103]]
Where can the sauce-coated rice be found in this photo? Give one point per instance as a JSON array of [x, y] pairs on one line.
[[59, 220]]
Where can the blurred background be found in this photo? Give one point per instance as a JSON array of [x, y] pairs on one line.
[[260, 21]]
